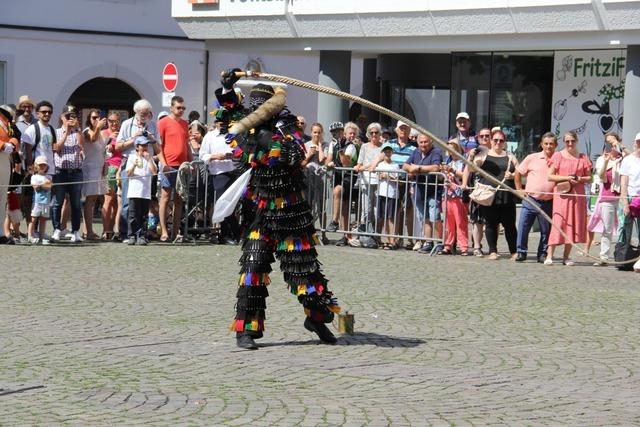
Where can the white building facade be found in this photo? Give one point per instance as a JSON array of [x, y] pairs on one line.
[[101, 54], [529, 66]]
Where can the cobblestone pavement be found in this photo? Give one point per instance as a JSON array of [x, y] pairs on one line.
[[118, 335]]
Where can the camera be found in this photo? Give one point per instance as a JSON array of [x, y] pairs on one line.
[[145, 133]]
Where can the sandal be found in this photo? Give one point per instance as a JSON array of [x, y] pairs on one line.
[[445, 251], [386, 247], [478, 253]]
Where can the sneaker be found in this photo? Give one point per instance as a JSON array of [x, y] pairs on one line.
[[33, 240], [354, 243], [64, 233], [478, 253], [417, 246], [342, 242], [333, 226], [493, 256], [76, 238], [44, 241], [142, 241], [321, 330], [56, 235], [426, 248], [130, 241]]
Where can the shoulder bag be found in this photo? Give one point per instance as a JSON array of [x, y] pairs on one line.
[[483, 194], [565, 187]]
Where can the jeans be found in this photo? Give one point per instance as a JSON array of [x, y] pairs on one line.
[[528, 215], [138, 210], [60, 190]]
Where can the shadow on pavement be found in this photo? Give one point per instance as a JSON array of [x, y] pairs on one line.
[[359, 338]]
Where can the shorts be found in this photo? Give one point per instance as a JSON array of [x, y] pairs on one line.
[[40, 209], [112, 178], [168, 179], [387, 207], [434, 208], [15, 215]]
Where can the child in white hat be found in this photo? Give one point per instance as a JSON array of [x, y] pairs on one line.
[[41, 183]]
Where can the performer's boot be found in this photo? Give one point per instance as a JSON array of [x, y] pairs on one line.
[[244, 340], [321, 330]]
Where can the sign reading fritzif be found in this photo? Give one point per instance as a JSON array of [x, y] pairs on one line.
[[588, 95]]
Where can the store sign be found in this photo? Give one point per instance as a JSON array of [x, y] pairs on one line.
[[588, 95]]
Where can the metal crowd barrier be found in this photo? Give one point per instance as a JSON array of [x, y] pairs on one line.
[[360, 201]]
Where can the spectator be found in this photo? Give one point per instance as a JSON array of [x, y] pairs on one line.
[[218, 155], [605, 213], [387, 195], [41, 183], [138, 125], [343, 154], [112, 198], [569, 204], [174, 149], [8, 144], [362, 123], [500, 164], [301, 124], [630, 190], [538, 188], [426, 160], [464, 134], [475, 214], [196, 133], [26, 119], [456, 210], [140, 168], [386, 135], [14, 214], [39, 140], [315, 159], [93, 168], [368, 182], [413, 136], [403, 147], [67, 180]]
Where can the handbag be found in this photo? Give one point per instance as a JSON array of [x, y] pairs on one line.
[[565, 187], [624, 250], [484, 194]]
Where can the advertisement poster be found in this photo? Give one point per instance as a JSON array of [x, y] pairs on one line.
[[588, 92]]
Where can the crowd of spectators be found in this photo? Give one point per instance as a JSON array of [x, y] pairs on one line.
[[131, 169]]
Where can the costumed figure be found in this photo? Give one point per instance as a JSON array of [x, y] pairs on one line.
[[275, 217]]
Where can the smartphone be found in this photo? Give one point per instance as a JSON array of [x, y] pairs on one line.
[[608, 147]]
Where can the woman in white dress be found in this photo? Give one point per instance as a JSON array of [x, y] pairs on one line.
[[93, 168]]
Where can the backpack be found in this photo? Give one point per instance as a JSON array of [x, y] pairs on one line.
[[39, 136]]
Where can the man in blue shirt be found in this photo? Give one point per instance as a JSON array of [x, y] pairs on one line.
[[425, 160]]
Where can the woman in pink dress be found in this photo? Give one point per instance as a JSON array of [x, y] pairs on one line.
[[570, 207]]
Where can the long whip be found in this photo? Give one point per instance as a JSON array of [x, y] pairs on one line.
[[440, 143]]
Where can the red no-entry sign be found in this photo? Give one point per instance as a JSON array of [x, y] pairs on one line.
[[170, 77]]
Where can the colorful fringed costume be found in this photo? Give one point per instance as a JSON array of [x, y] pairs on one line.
[[276, 219]]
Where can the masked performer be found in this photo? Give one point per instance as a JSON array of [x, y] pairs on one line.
[[275, 217]]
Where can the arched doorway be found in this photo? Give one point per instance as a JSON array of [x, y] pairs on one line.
[[105, 94]]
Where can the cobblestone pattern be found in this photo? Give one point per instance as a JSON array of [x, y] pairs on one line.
[[440, 341]]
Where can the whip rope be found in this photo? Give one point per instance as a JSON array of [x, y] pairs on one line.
[[440, 143]]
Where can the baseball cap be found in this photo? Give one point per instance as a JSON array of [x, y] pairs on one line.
[[462, 115], [401, 123], [141, 140], [162, 114], [385, 146], [638, 136], [41, 160]]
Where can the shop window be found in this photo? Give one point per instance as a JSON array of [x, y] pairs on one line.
[[521, 93], [470, 84]]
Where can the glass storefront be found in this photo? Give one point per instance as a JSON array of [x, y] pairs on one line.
[[512, 90]]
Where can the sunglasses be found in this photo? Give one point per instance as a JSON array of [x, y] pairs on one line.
[[95, 117], [498, 140], [374, 132], [45, 112], [181, 108], [484, 136]]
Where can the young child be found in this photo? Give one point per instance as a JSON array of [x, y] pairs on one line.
[[456, 210], [14, 214], [140, 169], [387, 194], [41, 183]]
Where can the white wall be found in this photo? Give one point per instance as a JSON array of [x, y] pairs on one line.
[[127, 16], [51, 66], [302, 66]]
